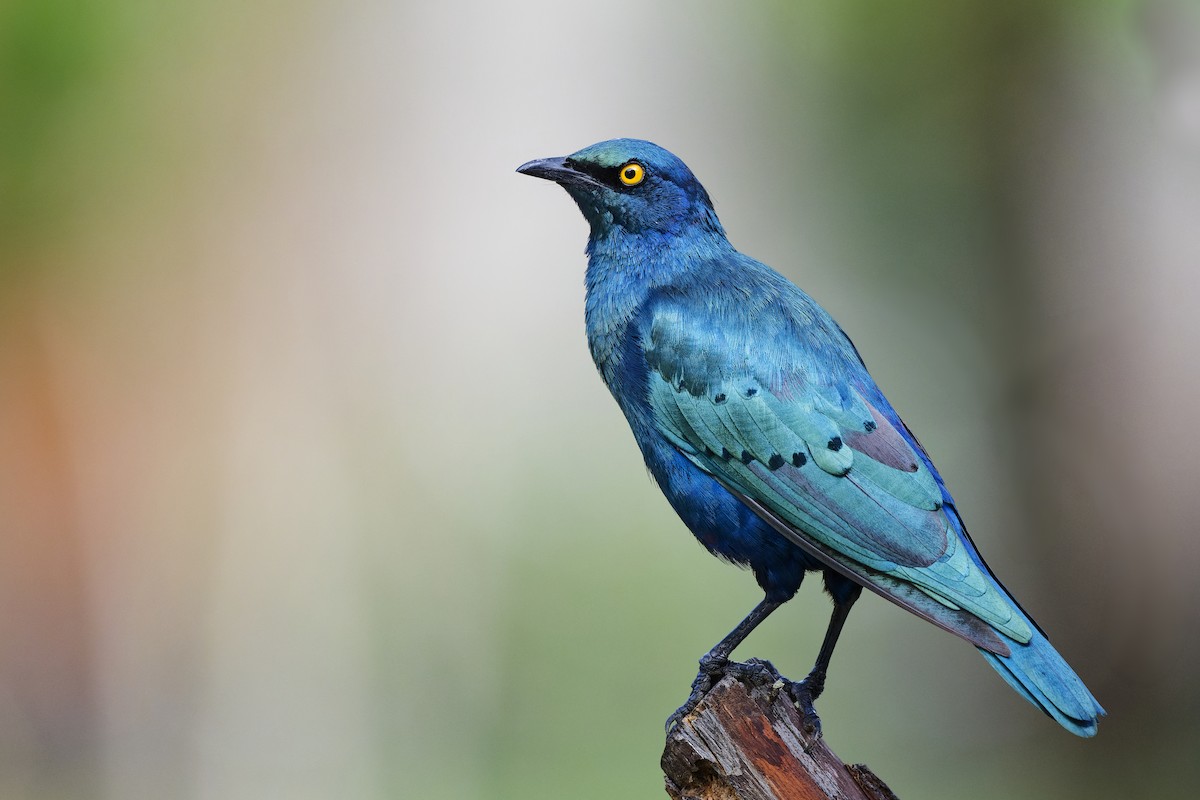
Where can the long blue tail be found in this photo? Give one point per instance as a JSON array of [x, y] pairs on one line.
[[1041, 676]]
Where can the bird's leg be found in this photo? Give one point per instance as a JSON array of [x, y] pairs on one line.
[[715, 662], [804, 693]]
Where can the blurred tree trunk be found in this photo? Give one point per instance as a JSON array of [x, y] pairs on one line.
[[46, 688]]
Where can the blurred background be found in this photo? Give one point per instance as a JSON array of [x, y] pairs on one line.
[[308, 488]]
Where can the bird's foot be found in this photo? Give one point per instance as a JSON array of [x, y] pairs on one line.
[[756, 672], [803, 694], [714, 668]]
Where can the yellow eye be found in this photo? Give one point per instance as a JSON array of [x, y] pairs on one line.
[[632, 174]]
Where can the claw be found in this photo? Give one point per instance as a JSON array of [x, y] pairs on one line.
[[679, 714], [712, 669], [802, 694], [687, 708]]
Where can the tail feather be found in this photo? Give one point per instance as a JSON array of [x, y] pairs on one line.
[[1041, 676]]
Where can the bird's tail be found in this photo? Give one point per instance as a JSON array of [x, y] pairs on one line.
[[1041, 676]]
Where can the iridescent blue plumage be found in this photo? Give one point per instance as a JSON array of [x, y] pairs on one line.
[[763, 428]]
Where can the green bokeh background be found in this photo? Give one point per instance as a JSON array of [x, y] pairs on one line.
[[308, 487]]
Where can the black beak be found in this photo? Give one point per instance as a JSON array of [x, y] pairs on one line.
[[557, 170], [552, 169]]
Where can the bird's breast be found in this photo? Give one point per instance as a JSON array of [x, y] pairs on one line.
[[609, 312]]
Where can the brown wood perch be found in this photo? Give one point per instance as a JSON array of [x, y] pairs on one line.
[[746, 741]]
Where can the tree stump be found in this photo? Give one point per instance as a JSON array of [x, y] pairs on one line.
[[746, 741]]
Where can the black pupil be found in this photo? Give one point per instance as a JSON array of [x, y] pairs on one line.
[[630, 173]]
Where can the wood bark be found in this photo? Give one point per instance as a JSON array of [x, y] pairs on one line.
[[747, 741]]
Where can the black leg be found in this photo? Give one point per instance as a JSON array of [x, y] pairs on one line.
[[805, 692], [715, 661], [726, 646]]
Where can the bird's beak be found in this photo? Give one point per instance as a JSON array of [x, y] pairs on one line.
[[552, 169], [557, 170]]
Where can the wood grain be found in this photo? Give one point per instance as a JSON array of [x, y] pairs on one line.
[[747, 742]]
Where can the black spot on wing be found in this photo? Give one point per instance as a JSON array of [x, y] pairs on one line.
[[775, 462]]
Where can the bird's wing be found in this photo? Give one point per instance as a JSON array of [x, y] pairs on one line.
[[803, 436]]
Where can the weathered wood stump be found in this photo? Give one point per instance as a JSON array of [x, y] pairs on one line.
[[746, 741]]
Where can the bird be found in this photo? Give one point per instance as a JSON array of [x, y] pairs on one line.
[[757, 418]]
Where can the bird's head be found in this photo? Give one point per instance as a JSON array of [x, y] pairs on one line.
[[632, 185]]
